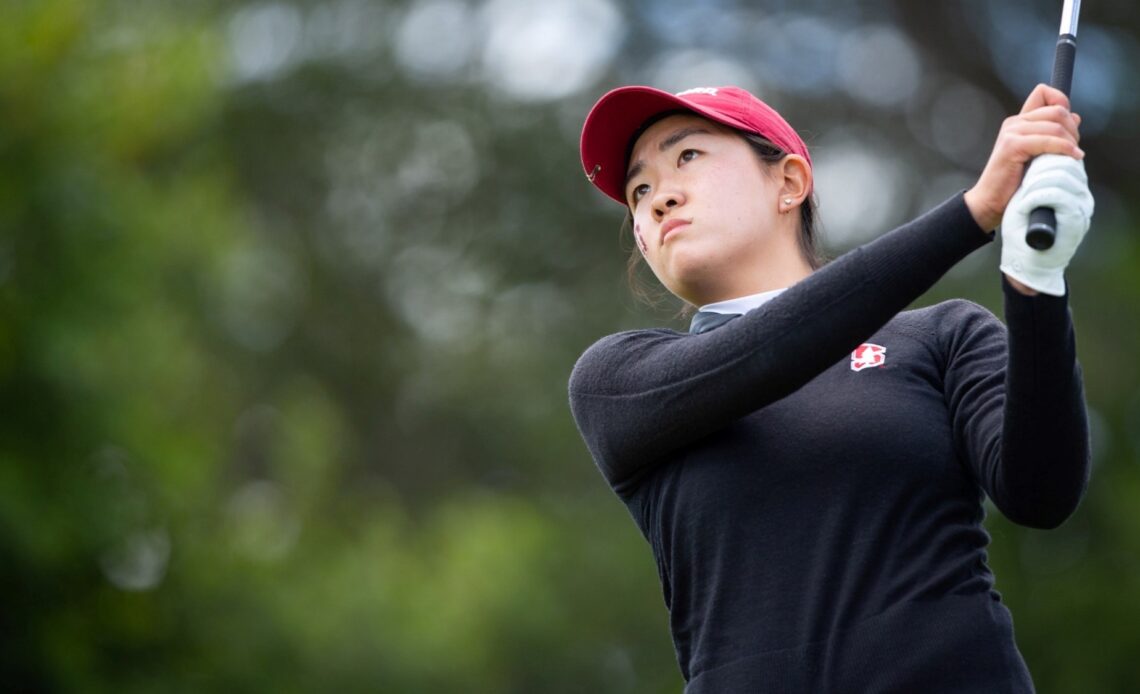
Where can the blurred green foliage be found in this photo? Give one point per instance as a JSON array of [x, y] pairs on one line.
[[283, 358]]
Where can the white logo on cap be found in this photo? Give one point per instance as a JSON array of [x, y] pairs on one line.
[[711, 91]]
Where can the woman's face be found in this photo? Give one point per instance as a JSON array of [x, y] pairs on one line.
[[706, 214]]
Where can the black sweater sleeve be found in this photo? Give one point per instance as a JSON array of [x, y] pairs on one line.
[[1018, 408], [637, 396]]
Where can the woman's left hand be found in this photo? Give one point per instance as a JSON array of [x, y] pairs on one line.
[[1059, 183]]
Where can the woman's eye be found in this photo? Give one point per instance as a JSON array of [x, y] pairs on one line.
[[688, 155], [638, 192]]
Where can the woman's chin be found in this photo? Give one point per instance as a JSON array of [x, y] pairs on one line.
[[690, 271]]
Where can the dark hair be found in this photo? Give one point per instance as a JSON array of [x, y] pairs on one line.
[[768, 153]]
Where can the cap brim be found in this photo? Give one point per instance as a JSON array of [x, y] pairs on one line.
[[617, 116]]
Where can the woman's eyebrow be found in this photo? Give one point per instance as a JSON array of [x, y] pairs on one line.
[[681, 135], [666, 144]]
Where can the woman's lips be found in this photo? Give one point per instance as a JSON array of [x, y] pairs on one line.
[[669, 226]]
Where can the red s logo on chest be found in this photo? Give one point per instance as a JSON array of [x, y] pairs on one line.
[[867, 355]]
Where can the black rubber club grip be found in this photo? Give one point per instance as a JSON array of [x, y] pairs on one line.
[[1063, 63], [1042, 229]]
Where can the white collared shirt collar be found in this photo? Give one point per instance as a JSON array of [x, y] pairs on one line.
[[742, 304]]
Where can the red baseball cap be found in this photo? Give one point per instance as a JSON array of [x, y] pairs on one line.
[[620, 113]]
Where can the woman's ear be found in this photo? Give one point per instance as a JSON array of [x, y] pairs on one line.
[[797, 178]]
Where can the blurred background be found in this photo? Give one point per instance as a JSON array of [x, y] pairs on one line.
[[290, 292]]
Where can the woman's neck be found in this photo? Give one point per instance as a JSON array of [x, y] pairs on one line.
[[782, 275]]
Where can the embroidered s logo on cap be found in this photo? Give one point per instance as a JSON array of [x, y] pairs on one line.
[[710, 91], [868, 355]]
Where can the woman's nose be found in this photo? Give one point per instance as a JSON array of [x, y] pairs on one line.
[[667, 200]]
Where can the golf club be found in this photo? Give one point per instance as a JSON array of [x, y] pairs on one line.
[[1042, 229]]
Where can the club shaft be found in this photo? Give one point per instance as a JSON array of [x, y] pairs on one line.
[[1070, 14]]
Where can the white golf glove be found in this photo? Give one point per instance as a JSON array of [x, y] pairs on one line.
[[1051, 180]]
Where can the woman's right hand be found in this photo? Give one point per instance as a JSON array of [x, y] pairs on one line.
[[1044, 126]]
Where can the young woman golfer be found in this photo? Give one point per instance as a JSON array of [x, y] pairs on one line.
[[808, 463]]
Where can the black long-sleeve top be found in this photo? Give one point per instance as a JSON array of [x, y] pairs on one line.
[[819, 528]]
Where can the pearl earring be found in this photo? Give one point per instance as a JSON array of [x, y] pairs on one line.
[[787, 201]]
